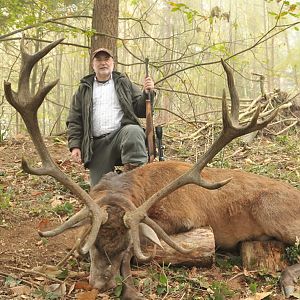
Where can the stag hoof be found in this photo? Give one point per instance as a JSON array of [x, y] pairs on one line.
[[288, 290], [129, 293]]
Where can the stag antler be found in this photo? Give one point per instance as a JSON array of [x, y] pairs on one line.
[[231, 130], [27, 105]]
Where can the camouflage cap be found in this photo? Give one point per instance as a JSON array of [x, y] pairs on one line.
[[102, 50]]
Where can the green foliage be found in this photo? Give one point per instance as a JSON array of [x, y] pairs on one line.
[[190, 13], [66, 208], [63, 275], [269, 279], [44, 197], [221, 49], [18, 14], [118, 288], [40, 292], [44, 241], [220, 291], [226, 263], [288, 9], [90, 32], [292, 253], [163, 284], [253, 287], [287, 142], [5, 197], [134, 2], [11, 281], [81, 181]]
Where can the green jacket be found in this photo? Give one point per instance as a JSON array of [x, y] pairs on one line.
[[79, 122]]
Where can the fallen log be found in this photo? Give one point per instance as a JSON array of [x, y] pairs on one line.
[[201, 240]]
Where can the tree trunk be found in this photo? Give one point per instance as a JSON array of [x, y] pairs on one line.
[[266, 23], [201, 240], [105, 22], [294, 67], [57, 107]]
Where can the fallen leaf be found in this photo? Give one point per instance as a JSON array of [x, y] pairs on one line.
[[39, 243], [36, 193], [83, 285], [91, 295], [39, 278], [51, 271], [21, 290], [104, 297], [296, 295], [57, 289], [259, 296], [43, 224], [80, 274], [71, 289], [55, 201]]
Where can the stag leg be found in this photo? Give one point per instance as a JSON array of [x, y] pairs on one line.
[[128, 290], [288, 279]]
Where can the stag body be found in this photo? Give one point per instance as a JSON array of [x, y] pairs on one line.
[[249, 207]]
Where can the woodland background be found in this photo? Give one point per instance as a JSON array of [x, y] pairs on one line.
[[184, 41]]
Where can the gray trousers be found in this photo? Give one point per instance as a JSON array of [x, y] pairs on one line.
[[127, 145]]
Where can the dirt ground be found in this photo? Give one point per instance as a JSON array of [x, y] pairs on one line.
[[30, 203]]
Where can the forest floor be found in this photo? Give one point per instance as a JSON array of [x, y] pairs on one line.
[[30, 203]]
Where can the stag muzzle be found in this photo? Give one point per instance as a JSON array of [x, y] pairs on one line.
[[104, 270]]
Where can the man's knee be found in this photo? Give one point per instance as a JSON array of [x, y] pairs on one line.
[[134, 132], [133, 145]]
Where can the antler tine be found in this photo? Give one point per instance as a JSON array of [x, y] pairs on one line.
[[27, 106], [164, 236], [231, 130], [235, 100], [28, 62], [43, 90], [75, 219], [135, 236]]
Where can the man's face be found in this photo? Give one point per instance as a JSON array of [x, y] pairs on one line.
[[103, 65]]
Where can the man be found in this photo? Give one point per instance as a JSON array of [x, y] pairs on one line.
[[103, 125]]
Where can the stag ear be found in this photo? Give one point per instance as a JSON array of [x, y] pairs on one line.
[[150, 234]]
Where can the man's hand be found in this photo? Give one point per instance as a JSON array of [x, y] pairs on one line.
[[76, 154], [148, 84]]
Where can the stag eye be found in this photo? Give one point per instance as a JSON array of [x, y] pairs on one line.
[[107, 275]]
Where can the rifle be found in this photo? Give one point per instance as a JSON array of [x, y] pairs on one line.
[[149, 122]]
